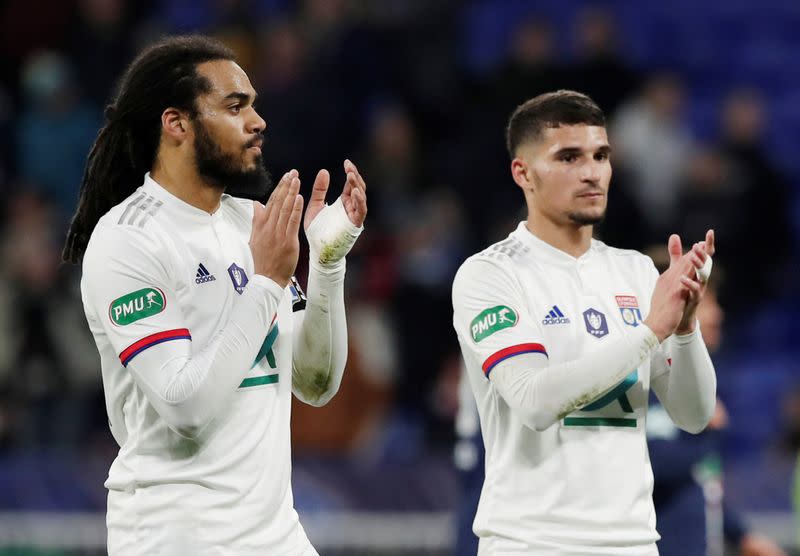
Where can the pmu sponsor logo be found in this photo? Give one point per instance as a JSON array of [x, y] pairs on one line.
[[492, 320], [555, 316], [136, 306]]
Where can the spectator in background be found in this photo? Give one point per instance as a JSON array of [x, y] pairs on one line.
[[712, 194], [294, 97], [765, 194], [55, 131], [48, 371], [600, 70], [530, 68], [651, 146], [685, 468], [98, 45]]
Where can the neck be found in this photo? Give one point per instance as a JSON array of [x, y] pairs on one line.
[[570, 238], [178, 175]]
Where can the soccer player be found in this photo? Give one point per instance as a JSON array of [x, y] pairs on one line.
[[203, 334], [562, 338]]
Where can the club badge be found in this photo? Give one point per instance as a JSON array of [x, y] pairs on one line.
[[629, 308]]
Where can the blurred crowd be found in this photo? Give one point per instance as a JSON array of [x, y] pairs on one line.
[[404, 90]]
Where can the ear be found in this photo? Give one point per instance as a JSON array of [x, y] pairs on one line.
[[175, 124], [519, 171]]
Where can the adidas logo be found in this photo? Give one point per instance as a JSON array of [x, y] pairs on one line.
[[203, 275], [555, 316]]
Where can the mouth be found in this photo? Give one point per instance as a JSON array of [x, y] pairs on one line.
[[591, 195], [255, 145]]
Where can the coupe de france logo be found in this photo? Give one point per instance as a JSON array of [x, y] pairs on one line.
[[629, 308], [595, 322], [238, 277]]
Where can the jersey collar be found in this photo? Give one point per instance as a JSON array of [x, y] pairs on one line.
[[178, 206], [545, 252]]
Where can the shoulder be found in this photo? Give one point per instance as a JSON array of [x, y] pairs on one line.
[[120, 242], [488, 272], [634, 260]]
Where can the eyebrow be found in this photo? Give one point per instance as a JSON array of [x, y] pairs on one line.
[[575, 151], [240, 96]]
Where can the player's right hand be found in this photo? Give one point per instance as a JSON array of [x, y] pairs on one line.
[[672, 291], [274, 239]]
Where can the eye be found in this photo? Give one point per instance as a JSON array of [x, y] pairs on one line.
[[236, 108], [601, 156], [569, 158]]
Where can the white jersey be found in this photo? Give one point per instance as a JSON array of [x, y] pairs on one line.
[[583, 485], [158, 271]]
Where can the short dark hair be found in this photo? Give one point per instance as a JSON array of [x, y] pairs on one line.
[[164, 75], [550, 110]]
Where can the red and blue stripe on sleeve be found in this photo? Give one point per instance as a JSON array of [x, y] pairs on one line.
[[504, 354], [153, 339]]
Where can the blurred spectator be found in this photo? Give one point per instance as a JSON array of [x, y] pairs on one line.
[[392, 162], [530, 68], [48, 367], [600, 70], [651, 145], [691, 515], [296, 104], [718, 194], [55, 130], [24, 30], [765, 191], [98, 46], [431, 247]]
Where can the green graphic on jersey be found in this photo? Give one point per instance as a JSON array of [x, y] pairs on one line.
[[136, 306], [617, 394], [266, 349], [267, 352], [492, 320]]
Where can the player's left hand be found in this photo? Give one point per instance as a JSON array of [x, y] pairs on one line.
[[354, 195], [693, 261], [332, 230]]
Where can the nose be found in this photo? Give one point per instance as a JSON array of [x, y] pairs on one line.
[[256, 123], [591, 172]]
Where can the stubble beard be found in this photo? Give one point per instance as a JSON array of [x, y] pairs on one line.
[[226, 171], [583, 219]]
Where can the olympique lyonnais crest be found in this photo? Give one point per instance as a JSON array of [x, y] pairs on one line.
[[629, 308], [595, 322], [238, 277]]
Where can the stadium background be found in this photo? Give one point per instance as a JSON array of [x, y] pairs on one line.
[[704, 106]]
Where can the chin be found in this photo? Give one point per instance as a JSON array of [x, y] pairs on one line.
[[587, 218]]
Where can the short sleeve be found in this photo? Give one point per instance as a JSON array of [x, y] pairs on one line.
[[490, 315], [128, 289]]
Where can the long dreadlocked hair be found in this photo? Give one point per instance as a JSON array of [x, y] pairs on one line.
[[164, 75]]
